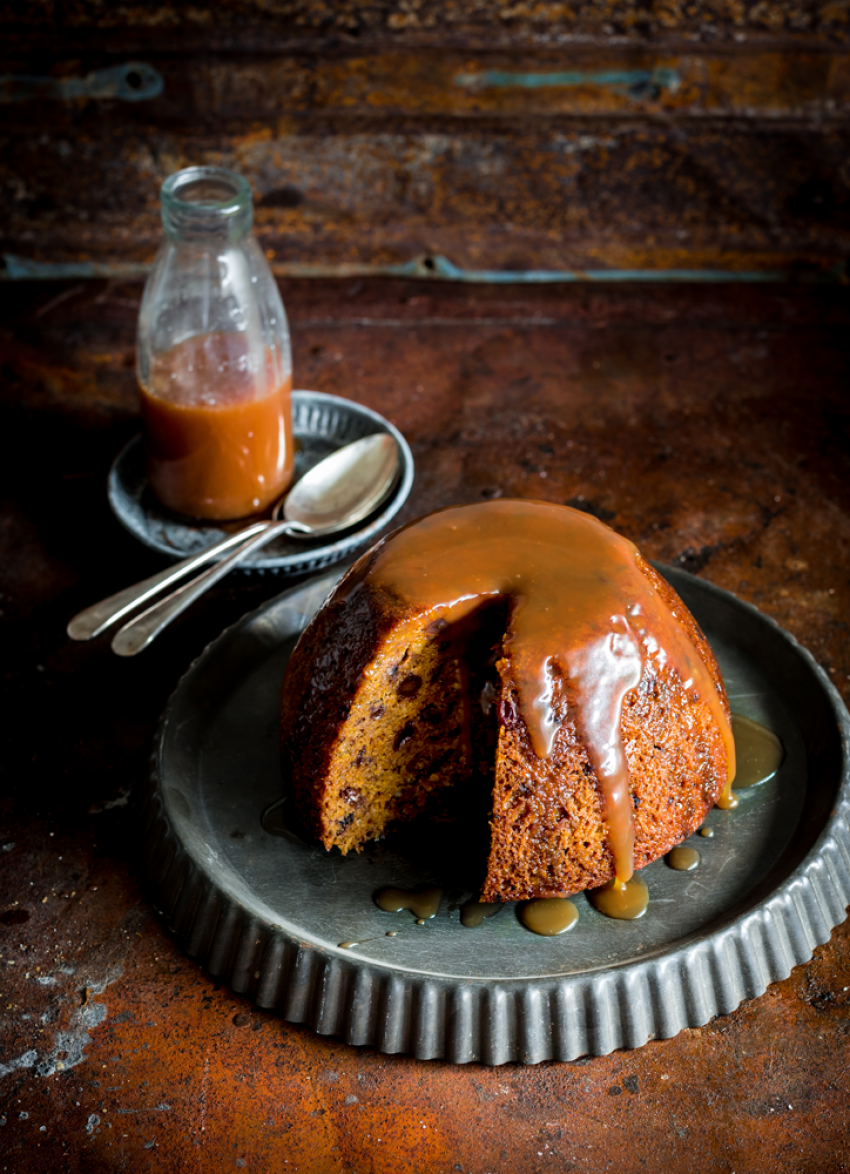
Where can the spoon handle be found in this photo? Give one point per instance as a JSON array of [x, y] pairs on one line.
[[144, 628], [97, 618]]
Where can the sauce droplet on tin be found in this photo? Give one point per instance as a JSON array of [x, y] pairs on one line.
[[758, 750], [549, 916], [422, 903], [707, 832], [473, 913], [683, 859], [623, 900]]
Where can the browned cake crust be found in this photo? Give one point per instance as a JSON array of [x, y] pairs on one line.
[[373, 733]]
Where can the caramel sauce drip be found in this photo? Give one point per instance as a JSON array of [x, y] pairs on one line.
[[580, 607], [549, 916], [422, 903], [683, 858], [474, 913], [760, 752], [622, 900], [728, 800]]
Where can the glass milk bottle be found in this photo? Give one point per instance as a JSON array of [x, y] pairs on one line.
[[213, 356]]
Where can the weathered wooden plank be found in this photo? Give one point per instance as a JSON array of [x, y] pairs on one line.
[[492, 197], [488, 20], [769, 81], [435, 134]]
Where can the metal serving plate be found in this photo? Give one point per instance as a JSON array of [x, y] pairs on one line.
[[267, 915], [321, 423]]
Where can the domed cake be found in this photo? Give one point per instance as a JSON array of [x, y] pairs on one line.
[[525, 648]]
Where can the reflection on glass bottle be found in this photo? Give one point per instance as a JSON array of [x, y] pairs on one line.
[[213, 356]]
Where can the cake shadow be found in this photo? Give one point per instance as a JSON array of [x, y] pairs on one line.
[[451, 854]]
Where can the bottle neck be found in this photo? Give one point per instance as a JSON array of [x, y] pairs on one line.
[[206, 204]]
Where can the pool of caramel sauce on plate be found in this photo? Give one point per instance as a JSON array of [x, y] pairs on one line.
[[760, 755]]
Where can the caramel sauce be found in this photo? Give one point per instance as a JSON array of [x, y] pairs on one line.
[[549, 916], [760, 754], [218, 427], [759, 751], [473, 913], [422, 903], [580, 606], [683, 858], [622, 900]]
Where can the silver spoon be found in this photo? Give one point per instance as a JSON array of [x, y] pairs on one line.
[[359, 475], [99, 616], [338, 492]]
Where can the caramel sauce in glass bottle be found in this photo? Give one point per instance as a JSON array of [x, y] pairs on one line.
[[213, 356]]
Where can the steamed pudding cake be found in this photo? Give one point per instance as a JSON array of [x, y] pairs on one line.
[[527, 648]]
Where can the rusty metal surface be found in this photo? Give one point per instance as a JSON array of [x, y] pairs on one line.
[[521, 138], [710, 425], [768, 79], [619, 196], [743, 199]]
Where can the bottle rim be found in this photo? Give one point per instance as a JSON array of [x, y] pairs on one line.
[[233, 210]]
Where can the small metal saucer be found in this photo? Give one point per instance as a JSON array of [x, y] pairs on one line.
[[321, 423], [297, 929]]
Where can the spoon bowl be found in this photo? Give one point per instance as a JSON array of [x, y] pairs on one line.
[[343, 489]]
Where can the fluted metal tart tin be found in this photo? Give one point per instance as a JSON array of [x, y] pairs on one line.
[[321, 423], [268, 915]]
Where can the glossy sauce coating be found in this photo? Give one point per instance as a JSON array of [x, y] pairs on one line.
[[580, 607], [218, 427]]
